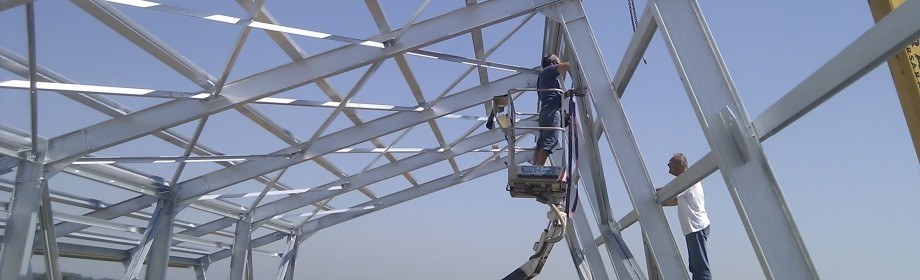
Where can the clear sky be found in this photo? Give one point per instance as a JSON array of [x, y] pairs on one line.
[[848, 170]]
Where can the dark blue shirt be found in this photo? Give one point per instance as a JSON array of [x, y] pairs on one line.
[[548, 78]]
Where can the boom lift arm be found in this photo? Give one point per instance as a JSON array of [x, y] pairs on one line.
[[553, 233]]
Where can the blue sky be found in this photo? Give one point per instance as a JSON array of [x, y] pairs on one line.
[[847, 169]]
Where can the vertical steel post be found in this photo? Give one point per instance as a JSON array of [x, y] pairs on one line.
[[653, 273], [593, 178], [52, 266], [289, 259], [19, 236], [139, 253], [593, 72], [33, 77], [158, 259], [589, 248], [728, 129], [240, 247], [582, 267], [201, 272]]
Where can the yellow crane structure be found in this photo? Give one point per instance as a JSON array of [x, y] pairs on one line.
[[905, 71]]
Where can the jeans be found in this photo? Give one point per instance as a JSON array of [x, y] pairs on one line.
[[696, 251]]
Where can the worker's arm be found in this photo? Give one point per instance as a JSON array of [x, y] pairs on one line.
[[562, 67], [669, 202]]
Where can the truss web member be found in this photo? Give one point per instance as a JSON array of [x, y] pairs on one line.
[[694, 222], [550, 104]]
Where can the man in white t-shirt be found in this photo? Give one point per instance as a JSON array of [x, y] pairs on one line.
[[691, 211]]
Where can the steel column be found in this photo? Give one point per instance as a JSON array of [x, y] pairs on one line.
[[588, 248], [52, 266], [158, 258], [619, 135], [201, 272], [591, 170], [289, 259], [241, 247], [744, 166], [577, 253], [19, 236]]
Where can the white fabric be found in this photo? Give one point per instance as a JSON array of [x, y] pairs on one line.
[[691, 210]]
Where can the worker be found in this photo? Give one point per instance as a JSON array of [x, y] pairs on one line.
[[694, 222], [550, 104]]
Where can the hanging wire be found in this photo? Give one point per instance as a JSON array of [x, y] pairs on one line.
[[634, 19]]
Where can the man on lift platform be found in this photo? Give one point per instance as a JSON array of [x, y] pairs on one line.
[[550, 104]]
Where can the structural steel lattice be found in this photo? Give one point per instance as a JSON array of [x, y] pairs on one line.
[[734, 138]]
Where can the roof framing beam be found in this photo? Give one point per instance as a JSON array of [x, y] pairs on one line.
[[410, 193], [219, 179], [191, 189], [68, 147], [7, 4], [129, 29], [18, 65], [384, 26], [284, 41]]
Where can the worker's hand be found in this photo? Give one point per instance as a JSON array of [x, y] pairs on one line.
[[573, 92]]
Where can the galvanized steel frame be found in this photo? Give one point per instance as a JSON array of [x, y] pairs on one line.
[[736, 143]]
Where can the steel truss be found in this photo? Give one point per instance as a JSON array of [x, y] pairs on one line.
[[732, 134]]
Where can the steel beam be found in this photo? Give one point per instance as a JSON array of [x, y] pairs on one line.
[[289, 259], [594, 74], [158, 259], [46, 216], [33, 93], [636, 49], [20, 228], [592, 173], [225, 177], [139, 252], [106, 174], [867, 52], [578, 256], [744, 166], [134, 229], [373, 175], [412, 193], [137, 34], [284, 41], [201, 272], [379, 204], [238, 262], [257, 242], [585, 243], [68, 147], [68, 250], [119, 22], [384, 26], [7, 4], [350, 183]]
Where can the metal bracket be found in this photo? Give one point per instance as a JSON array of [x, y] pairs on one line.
[[730, 122]]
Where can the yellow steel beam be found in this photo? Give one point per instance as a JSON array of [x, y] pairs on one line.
[[905, 71]]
